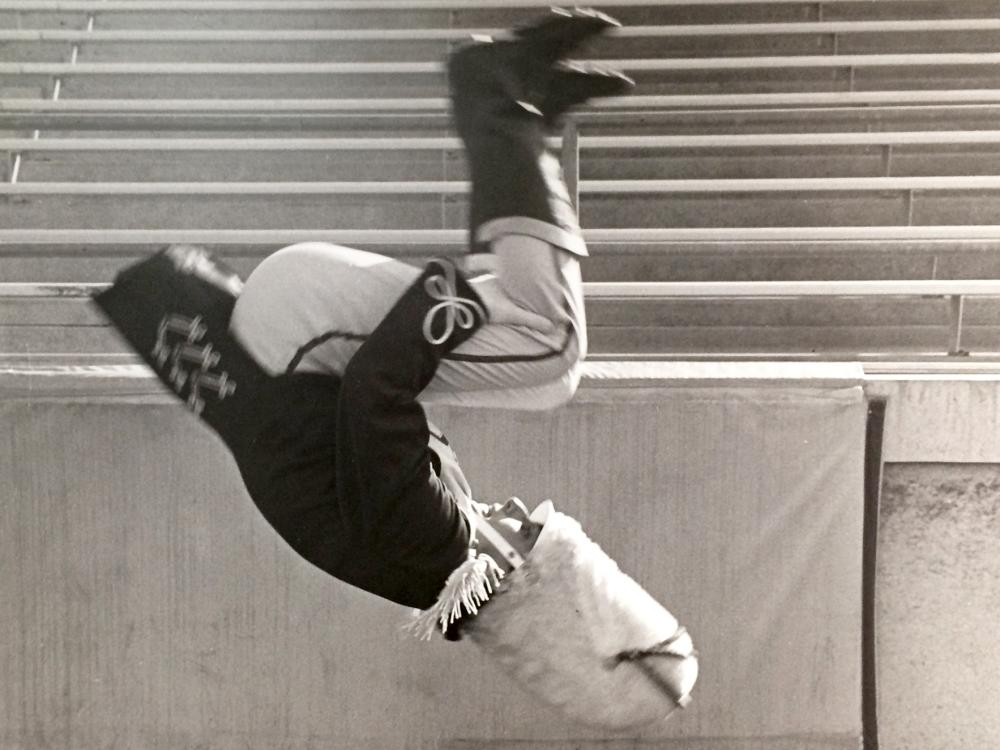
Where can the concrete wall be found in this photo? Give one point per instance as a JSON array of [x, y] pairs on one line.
[[938, 603], [938, 564], [146, 605]]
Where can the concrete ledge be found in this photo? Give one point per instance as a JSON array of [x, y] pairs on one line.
[[696, 374], [103, 378], [944, 417], [937, 418]]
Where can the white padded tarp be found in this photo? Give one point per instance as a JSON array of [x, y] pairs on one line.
[[146, 604]]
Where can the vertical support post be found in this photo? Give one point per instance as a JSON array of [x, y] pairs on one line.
[[12, 166], [450, 44], [570, 158], [887, 160], [53, 95], [874, 433], [957, 311], [908, 206]]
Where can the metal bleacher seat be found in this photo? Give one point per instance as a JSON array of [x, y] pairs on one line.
[[843, 149]]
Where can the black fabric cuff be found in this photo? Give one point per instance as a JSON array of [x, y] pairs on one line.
[[453, 310]]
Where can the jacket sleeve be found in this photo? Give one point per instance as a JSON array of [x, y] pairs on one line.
[[385, 480]]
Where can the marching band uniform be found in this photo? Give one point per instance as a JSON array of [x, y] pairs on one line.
[[340, 466]]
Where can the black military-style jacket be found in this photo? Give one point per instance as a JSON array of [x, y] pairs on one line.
[[339, 466]]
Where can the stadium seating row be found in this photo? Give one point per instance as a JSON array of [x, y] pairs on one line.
[[771, 141]]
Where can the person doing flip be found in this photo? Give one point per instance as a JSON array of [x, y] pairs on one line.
[[315, 372]]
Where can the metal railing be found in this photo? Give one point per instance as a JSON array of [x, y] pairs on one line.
[[655, 289], [324, 113], [459, 187], [284, 6], [420, 238], [586, 143], [459, 34], [629, 65], [955, 291]]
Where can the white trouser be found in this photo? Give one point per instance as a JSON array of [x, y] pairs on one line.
[[308, 307]]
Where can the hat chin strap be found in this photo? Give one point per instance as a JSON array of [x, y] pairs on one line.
[[494, 537]]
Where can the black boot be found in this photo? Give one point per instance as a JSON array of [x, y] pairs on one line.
[[532, 65], [563, 30], [498, 94], [574, 84], [554, 85]]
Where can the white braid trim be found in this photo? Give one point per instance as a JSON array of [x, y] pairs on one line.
[[457, 310], [469, 585]]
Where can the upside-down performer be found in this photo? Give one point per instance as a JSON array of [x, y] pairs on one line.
[[315, 372]]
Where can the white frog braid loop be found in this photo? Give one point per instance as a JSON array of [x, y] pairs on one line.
[[457, 310]]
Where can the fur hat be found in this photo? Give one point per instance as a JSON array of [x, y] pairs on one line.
[[582, 635]]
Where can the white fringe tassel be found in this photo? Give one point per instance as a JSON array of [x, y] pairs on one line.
[[468, 586]]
